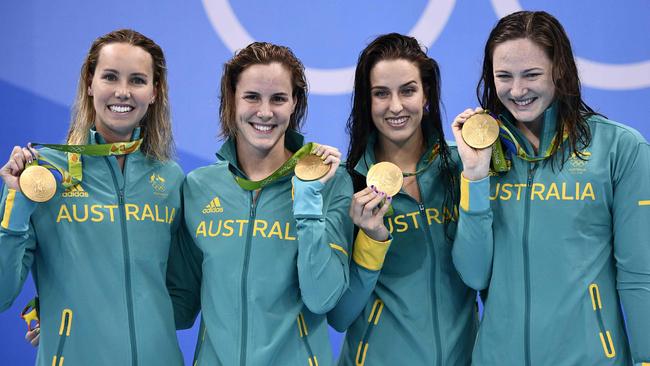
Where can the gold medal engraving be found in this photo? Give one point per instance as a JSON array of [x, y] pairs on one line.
[[480, 131], [37, 183], [311, 167], [387, 177]]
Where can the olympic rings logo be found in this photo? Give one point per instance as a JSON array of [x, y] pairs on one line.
[[427, 29]]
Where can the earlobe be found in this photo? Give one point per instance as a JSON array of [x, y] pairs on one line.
[[90, 91]]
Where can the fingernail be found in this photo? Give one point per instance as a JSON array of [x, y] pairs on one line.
[[372, 186], [390, 198]]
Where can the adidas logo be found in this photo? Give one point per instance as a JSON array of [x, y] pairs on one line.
[[213, 207], [75, 191]]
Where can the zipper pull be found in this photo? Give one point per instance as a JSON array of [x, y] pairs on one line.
[[120, 196]]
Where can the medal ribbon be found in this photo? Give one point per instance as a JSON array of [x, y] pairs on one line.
[[432, 155], [74, 175], [507, 145], [282, 171]]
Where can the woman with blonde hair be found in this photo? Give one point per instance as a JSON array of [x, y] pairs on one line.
[[98, 247]]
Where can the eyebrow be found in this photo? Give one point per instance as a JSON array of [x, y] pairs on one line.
[[143, 75], [401, 86], [525, 71]]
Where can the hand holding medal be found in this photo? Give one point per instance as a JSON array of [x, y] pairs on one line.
[[475, 132], [321, 164], [23, 174]]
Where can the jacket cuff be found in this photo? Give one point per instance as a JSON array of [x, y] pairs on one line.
[[369, 253], [474, 195], [17, 211], [308, 200]]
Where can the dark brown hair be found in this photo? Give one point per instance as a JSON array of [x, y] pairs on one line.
[[546, 32], [254, 54]]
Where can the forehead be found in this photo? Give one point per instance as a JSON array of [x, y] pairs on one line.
[[394, 73], [521, 53], [265, 77], [125, 56]]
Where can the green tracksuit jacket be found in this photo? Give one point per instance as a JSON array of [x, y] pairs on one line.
[[560, 250], [409, 307], [98, 254], [267, 267]]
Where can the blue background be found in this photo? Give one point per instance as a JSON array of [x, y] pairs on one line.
[[44, 43]]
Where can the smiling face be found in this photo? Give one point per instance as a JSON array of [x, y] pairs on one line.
[[397, 101], [264, 104], [523, 77], [122, 88]]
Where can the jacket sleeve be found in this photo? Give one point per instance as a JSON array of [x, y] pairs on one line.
[[367, 260], [17, 244], [324, 233], [474, 242], [184, 275], [631, 225]]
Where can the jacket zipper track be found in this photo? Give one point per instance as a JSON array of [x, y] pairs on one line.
[[64, 333], [244, 277], [127, 260], [531, 172]]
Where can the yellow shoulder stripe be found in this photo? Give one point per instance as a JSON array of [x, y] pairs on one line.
[[645, 203]]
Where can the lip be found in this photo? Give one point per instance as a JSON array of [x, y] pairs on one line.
[[120, 108], [397, 122], [265, 129]]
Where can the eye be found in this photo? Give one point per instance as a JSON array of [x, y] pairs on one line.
[[279, 99], [533, 75], [109, 77], [380, 93], [251, 97], [502, 77], [139, 80], [408, 91]]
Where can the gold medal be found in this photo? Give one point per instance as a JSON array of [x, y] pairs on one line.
[[37, 183], [311, 167], [386, 177], [480, 131]]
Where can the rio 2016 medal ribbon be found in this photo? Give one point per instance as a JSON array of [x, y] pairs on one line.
[[311, 167], [480, 131], [37, 183], [387, 177]]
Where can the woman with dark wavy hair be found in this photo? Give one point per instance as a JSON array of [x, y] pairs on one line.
[[406, 304], [558, 233]]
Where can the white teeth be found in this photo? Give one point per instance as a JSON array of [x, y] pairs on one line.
[[262, 128], [120, 108], [523, 102], [396, 121]]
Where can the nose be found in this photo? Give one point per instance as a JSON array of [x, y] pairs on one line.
[[265, 113], [395, 105], [122, 93], [519, 88]]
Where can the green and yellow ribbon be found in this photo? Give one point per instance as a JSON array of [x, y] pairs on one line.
[[282, 171], [74, 174], [507, 145]]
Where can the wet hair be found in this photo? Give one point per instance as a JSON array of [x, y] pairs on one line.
[[261, 53], [155, 126], [545, 31], [360, 126]]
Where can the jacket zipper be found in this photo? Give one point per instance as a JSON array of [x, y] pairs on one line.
[[531, 172], [605, 335], [244, 277], [434, 270], [127, 260]]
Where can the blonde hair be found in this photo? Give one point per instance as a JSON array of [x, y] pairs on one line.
[[156, 129], [254, 54]]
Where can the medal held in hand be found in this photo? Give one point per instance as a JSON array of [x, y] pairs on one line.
[[387, 177], [37, 183], [480, 131], [311, 167]]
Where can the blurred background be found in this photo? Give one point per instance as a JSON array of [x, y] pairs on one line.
[[45, 42]]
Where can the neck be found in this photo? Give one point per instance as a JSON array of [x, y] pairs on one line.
[[112, 137], [258, 165], [405, 156], [532, 131]]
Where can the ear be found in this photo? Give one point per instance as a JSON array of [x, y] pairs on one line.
[[90, 91]]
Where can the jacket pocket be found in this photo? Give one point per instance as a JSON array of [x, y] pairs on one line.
[[604, 334], [373, 320], [304, 332], [64, 333]]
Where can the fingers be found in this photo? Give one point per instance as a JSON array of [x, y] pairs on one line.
[[364, 205], [330, 155], [33, 336]]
